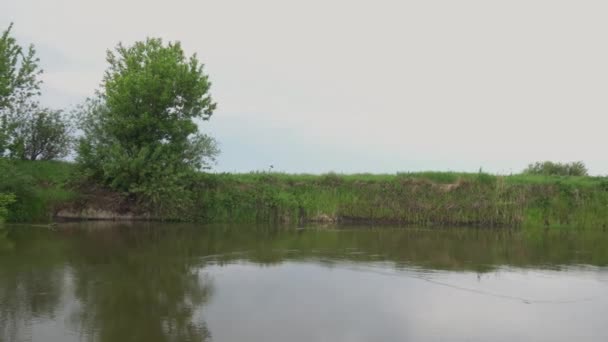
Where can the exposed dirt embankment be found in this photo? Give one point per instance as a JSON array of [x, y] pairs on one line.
[[97, 214], [95, 203]]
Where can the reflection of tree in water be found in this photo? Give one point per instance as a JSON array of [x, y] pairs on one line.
[[144, 282], [31, 281], [138, 286]]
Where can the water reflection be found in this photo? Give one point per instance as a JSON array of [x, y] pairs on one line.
[[132, 289], [150, 282], [31, 281]]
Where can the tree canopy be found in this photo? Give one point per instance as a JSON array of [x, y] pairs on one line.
[[19, 84], [19, 71], [43, 134], [140, 133], [27, 131]]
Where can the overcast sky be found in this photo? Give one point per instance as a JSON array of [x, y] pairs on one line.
[[359, 86]]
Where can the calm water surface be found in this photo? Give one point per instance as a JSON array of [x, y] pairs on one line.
[[112, 282]]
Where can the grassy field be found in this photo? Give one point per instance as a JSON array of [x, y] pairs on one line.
[[423, 198]]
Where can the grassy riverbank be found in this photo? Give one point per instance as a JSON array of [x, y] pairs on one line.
[[426, 198]]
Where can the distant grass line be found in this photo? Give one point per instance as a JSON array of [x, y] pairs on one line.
[[424, 198], [418, 198]]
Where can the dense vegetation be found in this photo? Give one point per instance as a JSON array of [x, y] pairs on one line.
[[139, 135], [139, 151], [28, 131], [36, 187], [427, 198], [5, 201], [409, 198], [548, 168]]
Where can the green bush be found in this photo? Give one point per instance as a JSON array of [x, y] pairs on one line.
[[37, 187], [5, 201], [549, 168]]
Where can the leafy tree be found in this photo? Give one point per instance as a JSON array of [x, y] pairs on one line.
[[19, 71], [140, 134], [43, 135], [549, 168], [19, 83]]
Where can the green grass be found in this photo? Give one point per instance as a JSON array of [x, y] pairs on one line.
[[38, 187], [420, 198], [423, 198], [579, 181]]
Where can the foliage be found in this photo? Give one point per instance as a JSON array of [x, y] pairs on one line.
[[26, 130], [20, 185], [421, 199], [89, 118], [5, 201], [424, 198], [19, 83], [549, 168], [19, 72], [43, 134], [139, 133], [38, 186]]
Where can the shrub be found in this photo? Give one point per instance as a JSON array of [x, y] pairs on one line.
[[5, 201], [549, 168], [21, 186]]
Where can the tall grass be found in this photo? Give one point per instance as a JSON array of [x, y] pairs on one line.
[[422, 198], [37, 185], [426, 198]]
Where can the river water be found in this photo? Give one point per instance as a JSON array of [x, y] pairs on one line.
[[171, 282]]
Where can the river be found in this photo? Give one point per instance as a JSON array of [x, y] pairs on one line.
[[176, 282]]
